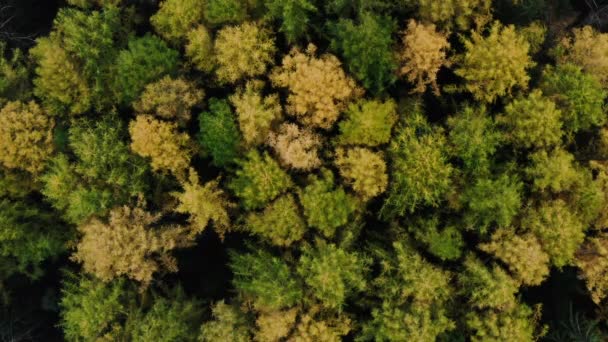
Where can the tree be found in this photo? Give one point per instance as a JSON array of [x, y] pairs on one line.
[[367, 50], [493, 65], [280, 222], [586, 48], [532, 122], [168, 149], [219, 134], [332, 274], [275, 325], [419, 167], [558, 229], [59, 84], [296, 147], [228, 324], [218, 12], [255, 113], [592, 260], [294, 16], [259, 180], [492, 201], [175, 18], [29, 235], [445, 243], [455, 14], [15, 80], [86, 4], [517, 324], [318, 87], [104, 173], [363, 170], [265, 279], [204, 203], [422, 54], [169, 319], [129, 244], [554, 171], [368, 122], [474, 139], [243, 51], [326, 206], [146, 60], [578, 95], [522, 253], [92, 309], [199, 49], [316, 324], [169, 99], [487, 287], [26, 135]]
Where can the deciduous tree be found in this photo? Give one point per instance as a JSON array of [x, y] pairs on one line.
[[368, 122], [199, 49], [219, 134], [296, 147], [175, 18], [293, 14], [280, 222], [364, 170], [586, 48], [228, 324]]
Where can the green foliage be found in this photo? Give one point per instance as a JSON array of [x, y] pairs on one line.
[[219, 134], [578, 95], [419, 168], [332, 274], [533, 121], [492, 201], [454, 14], [280, 222], [493, 65], [516, 324], [473, 139], [228, 324], [28, 236], [146, 60], [293, 14], [554, 171], [265, 279], [368, 122], [15, 83], [259, 180], [366, 48], [326, 205], [199, 49], [445, 243], [175, 18], [219, 12], [169, 319], [487, 287]]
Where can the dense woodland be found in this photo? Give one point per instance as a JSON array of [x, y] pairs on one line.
[[303, 170]]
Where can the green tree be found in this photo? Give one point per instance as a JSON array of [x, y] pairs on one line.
[[492, 201], [533, 121], [326, 205], [419, 167], [175, 18], [474, 138], [368, 122], [280, 222], [487, 287], [15, 78], [454, 14], [554, 171], [146, 60], [265, 279], [199, 49], [445, 243], [259, 180], [332, 274], [219, 134], [586, 48], [493, 65], [228, 324], [26, 135], [243, 51], [367, 50], [218, 12], [293, 14], [519, 323], [578, 95]]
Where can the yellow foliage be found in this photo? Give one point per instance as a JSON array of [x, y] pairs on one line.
[[275, 325], [423, 54], [318, 87], [592, 259], [200, 49], [523, 254], [176, 17], [26, 136], [129, 244], [170, 99], [243, 51], [460, 13], [168, 149], [312, 328], [255, 113], [296, 147], [588, 49], [204, 203], [364, 170]]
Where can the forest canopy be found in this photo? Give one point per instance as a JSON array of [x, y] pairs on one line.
[[304, 170]]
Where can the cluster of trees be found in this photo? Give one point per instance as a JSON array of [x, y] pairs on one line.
[[402, 170]]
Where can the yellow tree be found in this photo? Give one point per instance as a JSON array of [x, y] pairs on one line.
[[588, 49], [296, 147]]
